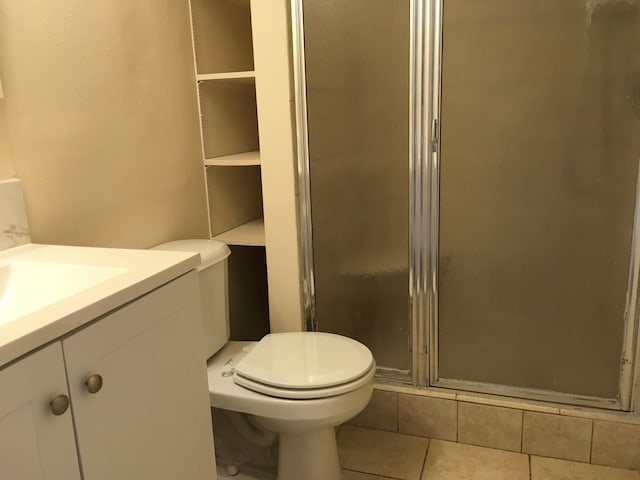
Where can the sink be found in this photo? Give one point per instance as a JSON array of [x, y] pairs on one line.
[[47, 291], [26, 287]]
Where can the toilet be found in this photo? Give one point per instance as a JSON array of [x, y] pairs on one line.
[[299, 385]]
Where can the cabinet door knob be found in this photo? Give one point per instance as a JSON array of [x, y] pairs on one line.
[[94, 383], [59, 404]]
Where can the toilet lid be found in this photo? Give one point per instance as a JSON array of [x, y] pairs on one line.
[[305, 360]]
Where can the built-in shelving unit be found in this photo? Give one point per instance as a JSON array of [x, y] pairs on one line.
[[226, 85], [225, 79], [243, 83]]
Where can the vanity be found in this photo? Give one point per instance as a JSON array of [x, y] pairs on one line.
[[102, 375]]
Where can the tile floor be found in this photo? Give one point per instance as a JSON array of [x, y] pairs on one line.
[[376, 455]]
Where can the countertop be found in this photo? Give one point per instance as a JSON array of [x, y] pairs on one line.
[[137, 272]]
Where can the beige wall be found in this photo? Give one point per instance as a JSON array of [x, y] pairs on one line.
[[103, 120], [7, 169]]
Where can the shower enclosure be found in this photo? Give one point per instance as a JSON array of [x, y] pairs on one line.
[[468, 176]]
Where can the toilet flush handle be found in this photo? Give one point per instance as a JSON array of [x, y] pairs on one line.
[[94, 383]]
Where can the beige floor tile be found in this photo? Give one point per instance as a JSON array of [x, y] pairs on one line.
[[428, 417], [351, 475], [489, 426], [556, 436], [456, 461], [380, 414], [554, 469], [616, 444], [381, 453]]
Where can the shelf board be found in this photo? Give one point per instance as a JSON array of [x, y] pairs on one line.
[[248, 77], [238, 160], [248, 234]]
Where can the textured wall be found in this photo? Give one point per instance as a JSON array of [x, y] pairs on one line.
[[7, 169], [103, 119]]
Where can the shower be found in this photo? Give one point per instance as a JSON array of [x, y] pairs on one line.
[[468, 182]]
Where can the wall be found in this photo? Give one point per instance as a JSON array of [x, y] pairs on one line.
[[7, 169], [103, 120]]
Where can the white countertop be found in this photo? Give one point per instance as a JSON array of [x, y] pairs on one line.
[[122, 275]]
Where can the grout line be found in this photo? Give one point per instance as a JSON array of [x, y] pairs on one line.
[[424, 462], [397, 412], [522, 434], [457, 421], [530, 474], [591, 441]]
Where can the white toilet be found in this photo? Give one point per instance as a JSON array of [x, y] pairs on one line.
[[299, 385]]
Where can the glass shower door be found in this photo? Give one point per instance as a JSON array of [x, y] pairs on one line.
[[357, 85], [538, 171]]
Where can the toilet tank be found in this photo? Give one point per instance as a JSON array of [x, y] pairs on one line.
[[214, 297]]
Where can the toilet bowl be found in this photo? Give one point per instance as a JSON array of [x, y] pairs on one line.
[[306, 426], [299, 385]]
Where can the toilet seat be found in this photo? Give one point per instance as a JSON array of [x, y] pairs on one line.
[[304, 394], [305, 365]]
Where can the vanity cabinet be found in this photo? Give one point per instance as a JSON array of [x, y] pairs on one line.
[[138, 392]]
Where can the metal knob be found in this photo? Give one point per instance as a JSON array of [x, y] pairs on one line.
[[94, 383], [59, 404]]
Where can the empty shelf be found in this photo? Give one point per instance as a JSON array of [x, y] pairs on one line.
[[235, 77], [248, 234], [237, 160], [229, 117]]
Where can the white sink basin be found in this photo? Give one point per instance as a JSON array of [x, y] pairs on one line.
[[47, 291], [26, 287]]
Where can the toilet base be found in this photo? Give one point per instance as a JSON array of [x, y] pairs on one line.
[[312, 455]]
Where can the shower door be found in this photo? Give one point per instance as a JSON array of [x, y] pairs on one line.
[[353, 79], [535, 199]]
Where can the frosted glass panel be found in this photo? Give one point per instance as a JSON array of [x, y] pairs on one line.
[[357, 57], [539, 164]]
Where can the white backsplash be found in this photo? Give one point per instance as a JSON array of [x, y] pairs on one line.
[[14, 228]]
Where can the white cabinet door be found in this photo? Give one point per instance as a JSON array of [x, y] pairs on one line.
[[151, 418], [35, 444]]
